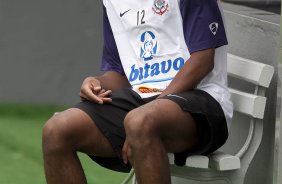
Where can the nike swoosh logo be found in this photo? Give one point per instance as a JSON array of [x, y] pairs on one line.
[[123, 13]]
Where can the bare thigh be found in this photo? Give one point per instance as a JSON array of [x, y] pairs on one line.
[[79, 132], [165, 118]]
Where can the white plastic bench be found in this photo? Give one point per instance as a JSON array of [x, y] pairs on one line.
[[221, 167]]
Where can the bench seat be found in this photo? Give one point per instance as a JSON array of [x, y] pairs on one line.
[[218, 160]]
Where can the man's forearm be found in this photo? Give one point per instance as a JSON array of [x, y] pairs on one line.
[[112, 80], [195, 69]]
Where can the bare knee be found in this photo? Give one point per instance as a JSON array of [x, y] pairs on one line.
[[141, 130], [55, 133]]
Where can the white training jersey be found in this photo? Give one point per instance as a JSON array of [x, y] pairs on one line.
[[152, 48]]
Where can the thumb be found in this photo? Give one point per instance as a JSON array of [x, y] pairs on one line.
[[97, 88]]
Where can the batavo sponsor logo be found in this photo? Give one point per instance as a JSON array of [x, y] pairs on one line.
[[144, 89], [155, 69]]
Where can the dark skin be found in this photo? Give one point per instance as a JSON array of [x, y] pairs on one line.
[[152, 130]]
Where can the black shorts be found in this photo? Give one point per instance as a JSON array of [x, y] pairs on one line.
[[206, 111]]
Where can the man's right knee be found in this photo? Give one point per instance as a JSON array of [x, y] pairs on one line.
[[73, 130], [55, 134]]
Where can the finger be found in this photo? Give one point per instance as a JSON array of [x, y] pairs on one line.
[[106, 100], [95, 84], [105, 93], [89, 95], [102, 91], [104, 96], [129, 156], [82, 97], [124, 152], [97, 89]]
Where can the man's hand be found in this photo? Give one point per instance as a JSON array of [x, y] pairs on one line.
[[126, 153], [91, 90]]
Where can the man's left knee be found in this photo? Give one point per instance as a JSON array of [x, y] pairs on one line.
[[140, 128]]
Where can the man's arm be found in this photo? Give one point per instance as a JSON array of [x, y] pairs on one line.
[[201, 40], [113, 81], [195, 69], [98, 89]]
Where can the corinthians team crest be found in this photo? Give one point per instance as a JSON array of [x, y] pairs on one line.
[[160, 6]]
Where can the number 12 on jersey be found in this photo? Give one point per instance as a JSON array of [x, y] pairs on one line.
[[140, 17]]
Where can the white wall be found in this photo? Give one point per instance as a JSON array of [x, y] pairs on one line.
[[47, 48]]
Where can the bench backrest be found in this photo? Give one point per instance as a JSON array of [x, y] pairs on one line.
[[256, 73], [250, 103]]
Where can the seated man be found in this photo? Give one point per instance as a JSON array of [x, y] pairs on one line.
[[164, 90]]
